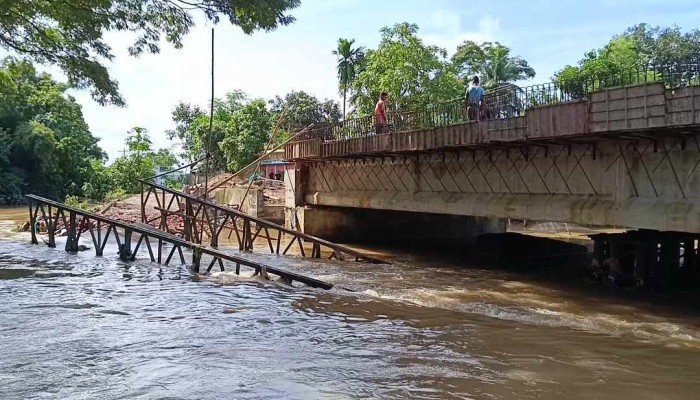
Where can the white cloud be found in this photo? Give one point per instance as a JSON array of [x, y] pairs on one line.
[[447, 30], [489, 25], [445, 21]]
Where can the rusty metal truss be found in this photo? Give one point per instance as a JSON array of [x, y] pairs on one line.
[[161, 247], [206, 218]]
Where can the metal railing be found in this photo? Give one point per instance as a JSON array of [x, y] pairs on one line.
[[509, 100]]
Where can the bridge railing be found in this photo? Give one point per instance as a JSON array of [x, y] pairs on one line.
[[509, 100]]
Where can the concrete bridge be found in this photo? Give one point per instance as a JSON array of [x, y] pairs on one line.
[[626, 157]]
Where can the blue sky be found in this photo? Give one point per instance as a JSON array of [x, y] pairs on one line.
[[549, 34]]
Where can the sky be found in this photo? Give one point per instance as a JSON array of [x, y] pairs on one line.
[[549, 34]]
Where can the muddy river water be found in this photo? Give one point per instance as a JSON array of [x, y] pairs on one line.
[[77, 326]]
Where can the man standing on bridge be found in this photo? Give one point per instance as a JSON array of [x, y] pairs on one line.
[[475, 99], [380, 118]]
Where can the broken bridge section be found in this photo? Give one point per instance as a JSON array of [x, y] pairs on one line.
[[205, 218], [160, 246]]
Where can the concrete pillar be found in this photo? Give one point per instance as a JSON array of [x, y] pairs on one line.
[[295, 181], [599, 243], [396, 227], [644, 261], [669, 260]]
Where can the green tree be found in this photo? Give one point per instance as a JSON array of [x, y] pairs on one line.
[[240, 130], [69, 34], [209, 142], [11, 182], [492, 61], [617, 56], [47, 148], [640, 53], [349, 59], [192, 128], [140, 162], [99, 183], [664, 45], [247, 133], [413, 74], [300, 109], [184, 116]]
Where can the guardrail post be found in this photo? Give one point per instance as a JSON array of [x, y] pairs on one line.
[[51, 228], [143, 205], [243, 245], [98, 246]]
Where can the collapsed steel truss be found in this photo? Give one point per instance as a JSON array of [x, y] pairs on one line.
[[206, 217], [156, 242]]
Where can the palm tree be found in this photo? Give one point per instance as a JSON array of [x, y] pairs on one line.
[[493, 62], [348, 59], [500, 68]]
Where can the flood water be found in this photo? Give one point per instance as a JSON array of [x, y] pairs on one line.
[[78, 326]]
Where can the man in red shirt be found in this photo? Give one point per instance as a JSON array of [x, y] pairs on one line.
[[380, 114]]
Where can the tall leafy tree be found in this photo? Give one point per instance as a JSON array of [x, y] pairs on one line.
[[602, 65], [240, 129], [349, 59], [299, 109], [185, 116], [628, 56], [47, 148], [247, 133], [140, 162], [492, 61], [69, 33], [413, 74], [664, 45]]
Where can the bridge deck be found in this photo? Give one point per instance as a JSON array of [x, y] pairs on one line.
[[78, 221], [641, 111]]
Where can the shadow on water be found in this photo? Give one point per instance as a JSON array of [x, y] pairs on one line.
[[564, 273]]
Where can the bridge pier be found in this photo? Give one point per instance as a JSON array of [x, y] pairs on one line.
[[395, 227], [647, 259]]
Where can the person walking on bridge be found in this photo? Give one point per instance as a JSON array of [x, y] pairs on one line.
[[380, 118], [475, 99]]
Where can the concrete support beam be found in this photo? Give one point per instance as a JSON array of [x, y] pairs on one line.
[[381, 226], [635, 212]]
